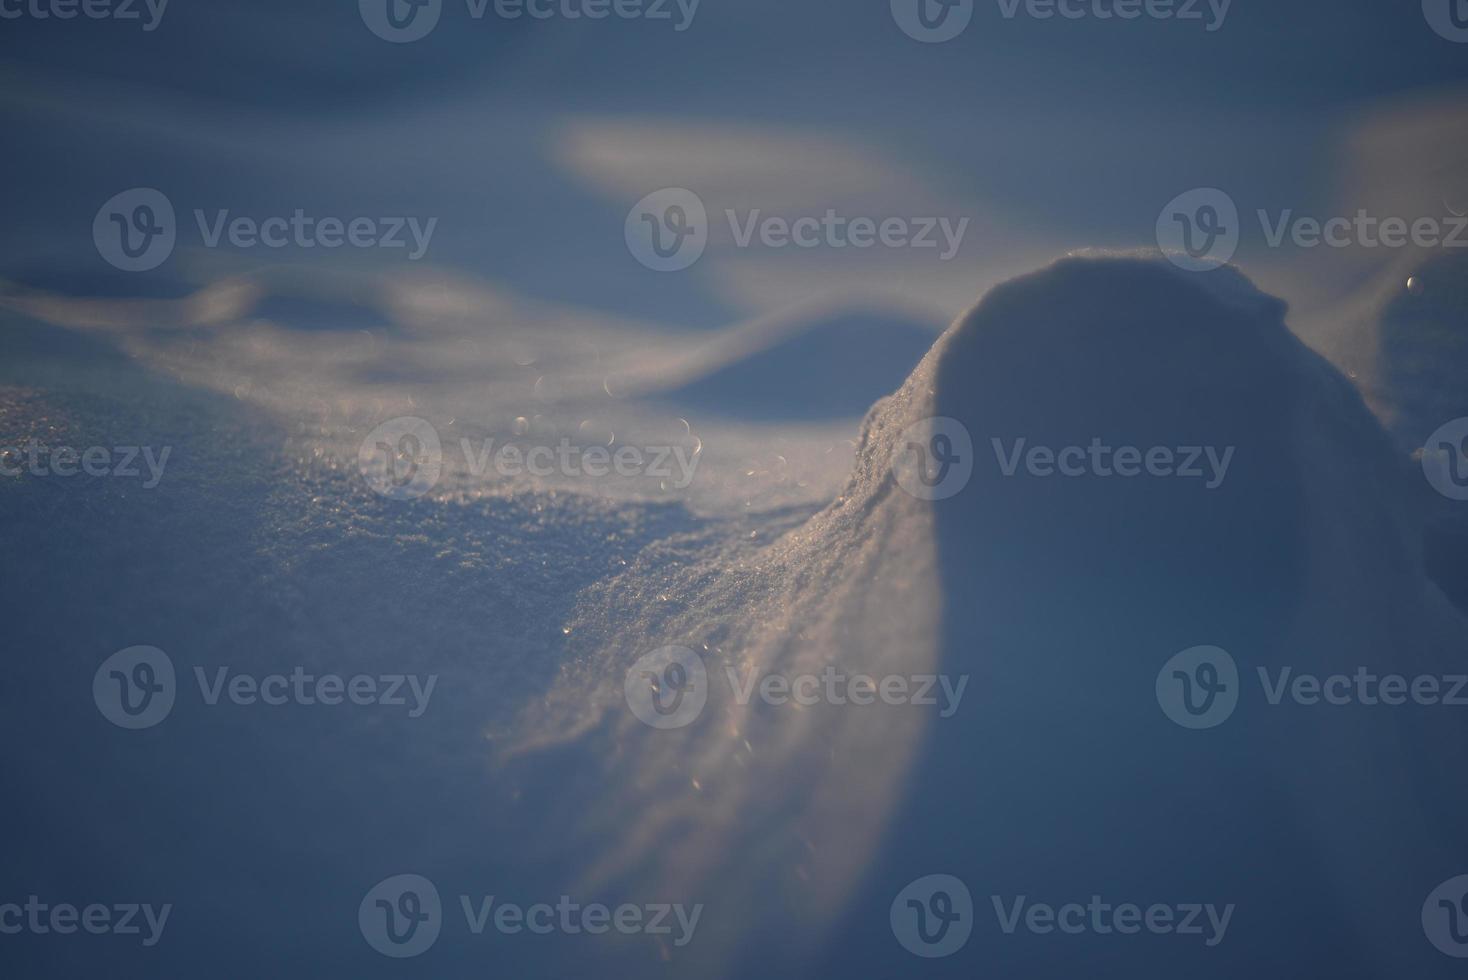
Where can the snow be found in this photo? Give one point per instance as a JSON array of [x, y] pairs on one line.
[[533, 598], [1060, 602]]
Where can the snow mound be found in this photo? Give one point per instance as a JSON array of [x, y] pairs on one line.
[[1424, 349], [1059, 598], [1422, 355]]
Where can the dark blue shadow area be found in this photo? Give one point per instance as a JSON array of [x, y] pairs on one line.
[[857, 357], [1064, 598], [1423, 356]]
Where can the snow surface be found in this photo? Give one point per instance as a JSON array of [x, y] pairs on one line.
[[1060, 602], [1058, 778]]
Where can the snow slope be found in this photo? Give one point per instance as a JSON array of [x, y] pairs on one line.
[[1061, 599]]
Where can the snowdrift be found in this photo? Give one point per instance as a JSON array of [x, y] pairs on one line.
[[1054, 590], [1060, 598]]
